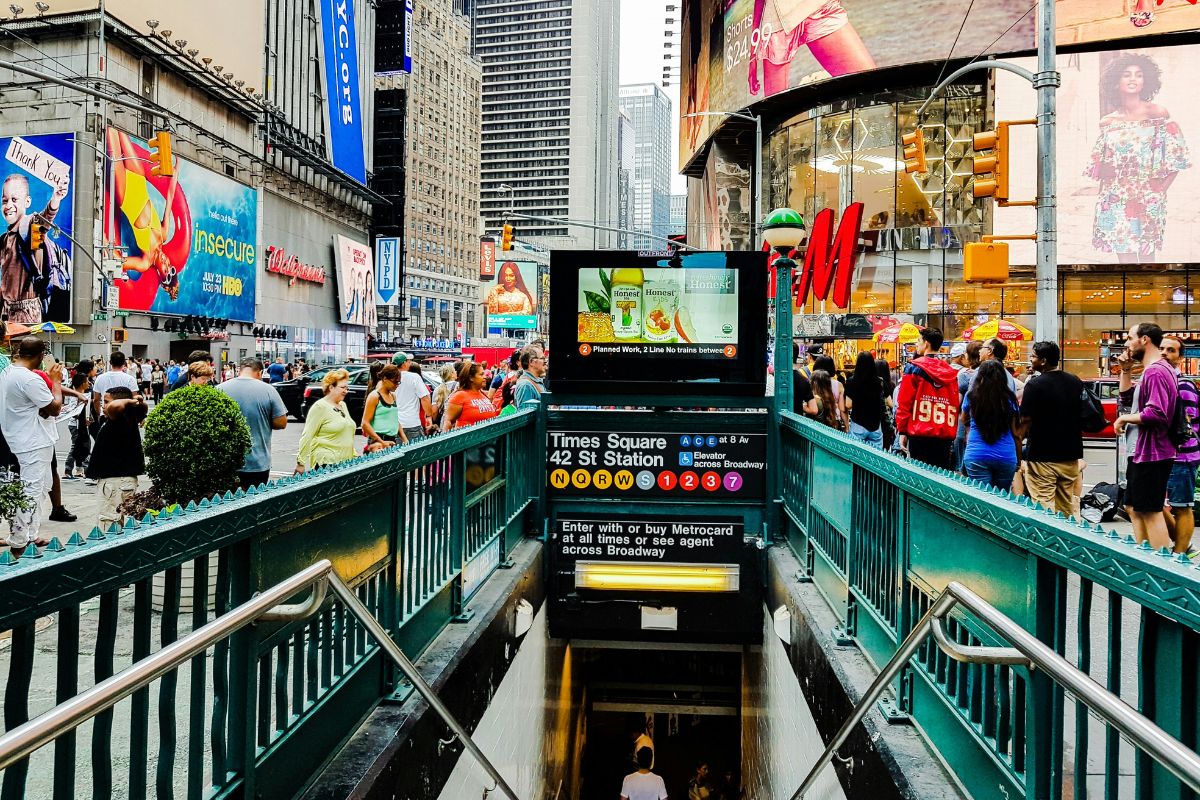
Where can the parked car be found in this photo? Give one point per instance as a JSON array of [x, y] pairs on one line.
[[293, 391], [1107, 390], [356, 398]]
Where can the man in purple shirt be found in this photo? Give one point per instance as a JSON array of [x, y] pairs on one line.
[[1153, 453], [1181, 486]]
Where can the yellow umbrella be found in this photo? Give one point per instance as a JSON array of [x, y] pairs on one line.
[[1001, 329], [53, 328], [904, 333]]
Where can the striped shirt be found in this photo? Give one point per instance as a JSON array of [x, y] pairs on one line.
[[1189, 451]]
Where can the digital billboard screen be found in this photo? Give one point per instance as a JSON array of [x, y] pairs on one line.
[[652, 322], [512, 303], [1126, 163], [736, 52], [190, 239], [654, 311]]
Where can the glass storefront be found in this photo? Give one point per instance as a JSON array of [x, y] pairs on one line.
[[846, 152]]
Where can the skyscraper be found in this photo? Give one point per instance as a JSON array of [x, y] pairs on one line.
[[549, 100], [428, 141], [625, 150], [650, 109]]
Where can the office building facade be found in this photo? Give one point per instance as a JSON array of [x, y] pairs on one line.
[[650, 109], [549, 97]]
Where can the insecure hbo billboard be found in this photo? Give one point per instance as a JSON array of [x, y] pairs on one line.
[[190, 241]]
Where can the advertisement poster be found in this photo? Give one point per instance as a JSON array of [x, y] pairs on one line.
[[190, 239], [1089, 21], [342, 102], [736, 52], [512, 302], [356, 282], [658, 311], [35, 285], [1128, 133]]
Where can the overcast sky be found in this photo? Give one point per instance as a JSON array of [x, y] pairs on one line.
[[642, 51]]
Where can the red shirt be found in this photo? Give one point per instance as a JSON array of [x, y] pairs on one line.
[[476, 407]]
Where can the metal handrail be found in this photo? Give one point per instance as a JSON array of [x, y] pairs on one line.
[[23, 740], [1168, 751]]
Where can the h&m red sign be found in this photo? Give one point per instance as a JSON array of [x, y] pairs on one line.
[[280, 262], [830, 260]]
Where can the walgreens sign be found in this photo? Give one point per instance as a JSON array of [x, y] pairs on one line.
[[278, 261]]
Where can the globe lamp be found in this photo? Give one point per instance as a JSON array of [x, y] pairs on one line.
[[784, 230]]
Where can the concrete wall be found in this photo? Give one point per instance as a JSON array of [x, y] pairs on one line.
[[533, 728], [780, 740]]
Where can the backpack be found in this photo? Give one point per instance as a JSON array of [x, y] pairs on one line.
[[935, 410], [1181, 428], [1091, 412]]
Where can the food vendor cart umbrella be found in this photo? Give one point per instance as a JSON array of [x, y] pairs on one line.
[[1001, 329], [12, 329], [53, 328], [904, 333]]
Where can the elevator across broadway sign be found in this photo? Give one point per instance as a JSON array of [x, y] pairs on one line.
[[681, 540], [629, 465]]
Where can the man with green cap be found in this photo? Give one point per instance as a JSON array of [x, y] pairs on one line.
[[401, 359], [412, 398]]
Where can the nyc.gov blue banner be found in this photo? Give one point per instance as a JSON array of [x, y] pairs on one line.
[[342, 103]]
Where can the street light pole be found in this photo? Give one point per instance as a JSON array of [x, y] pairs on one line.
[[757, 215], [1046, 81]]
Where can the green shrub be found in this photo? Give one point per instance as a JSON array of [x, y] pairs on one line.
[[196, 441], [12, 496]]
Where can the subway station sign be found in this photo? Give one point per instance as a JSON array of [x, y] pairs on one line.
[[632, 465]]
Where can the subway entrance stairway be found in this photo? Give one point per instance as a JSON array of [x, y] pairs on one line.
[[751, 665]]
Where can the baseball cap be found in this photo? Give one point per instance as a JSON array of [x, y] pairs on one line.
[[815, 350], [959, 349], [400, 358]]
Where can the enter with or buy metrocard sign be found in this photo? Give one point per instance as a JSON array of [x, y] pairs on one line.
[[632, 465]]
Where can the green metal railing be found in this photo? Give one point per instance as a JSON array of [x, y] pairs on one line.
[[881, 538], [413, 531]]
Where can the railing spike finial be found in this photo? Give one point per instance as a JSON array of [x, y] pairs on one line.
[[96, 534], [55, 546], [76, 540]]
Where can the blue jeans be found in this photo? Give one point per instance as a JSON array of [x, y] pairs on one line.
[[991, 471], [873, 438]]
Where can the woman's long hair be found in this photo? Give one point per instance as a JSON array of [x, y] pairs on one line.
[[822, 386], [992, 401], [885, 376], [865, 376]]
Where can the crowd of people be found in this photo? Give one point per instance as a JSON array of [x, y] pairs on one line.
[[970, 414], [105, 403]]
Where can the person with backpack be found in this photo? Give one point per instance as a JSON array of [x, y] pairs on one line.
[[1052, 419], [1181, 484], [1147, 431], [927, 404]]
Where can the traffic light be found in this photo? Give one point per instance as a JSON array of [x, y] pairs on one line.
[[995, 165], [160, 155], [914, 151], [506, 237], [37, 235], [985, 262]]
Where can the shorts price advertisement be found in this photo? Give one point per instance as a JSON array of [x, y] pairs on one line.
[[625, 464], [673, 539]]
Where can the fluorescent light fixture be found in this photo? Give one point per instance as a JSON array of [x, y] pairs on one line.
[[663, 577]]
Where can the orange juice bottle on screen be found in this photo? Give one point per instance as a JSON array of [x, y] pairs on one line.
[[627, 303]]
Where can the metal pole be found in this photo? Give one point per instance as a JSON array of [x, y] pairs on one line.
[[907, 649], [380, 634], [757, 221], [1046, 81]]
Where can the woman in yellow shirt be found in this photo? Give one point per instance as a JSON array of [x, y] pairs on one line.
[[328, 436]]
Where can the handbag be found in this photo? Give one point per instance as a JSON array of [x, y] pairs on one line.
[[1091, 412]]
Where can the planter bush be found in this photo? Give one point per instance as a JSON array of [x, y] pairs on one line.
[[12, 496], [196, 441]]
